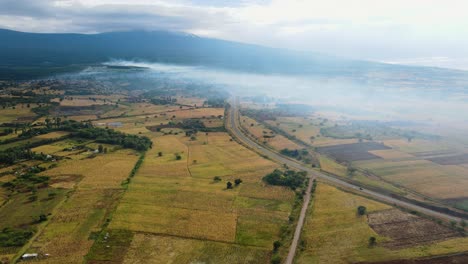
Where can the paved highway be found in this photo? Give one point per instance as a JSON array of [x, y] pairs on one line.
[[234, 127]]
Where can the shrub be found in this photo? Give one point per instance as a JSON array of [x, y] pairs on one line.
[[216, 178], [237, 181], [361, 210], [276, 259], [276, 245], [42, 218]]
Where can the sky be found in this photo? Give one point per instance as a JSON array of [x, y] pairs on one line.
[[415, 32]]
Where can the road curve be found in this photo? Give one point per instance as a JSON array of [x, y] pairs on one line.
[[234, 127]]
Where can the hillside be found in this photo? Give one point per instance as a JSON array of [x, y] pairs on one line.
[[27, 55]]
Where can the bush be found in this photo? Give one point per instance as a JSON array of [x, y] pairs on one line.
[[109, 136], [362, 210], [216, 178], [276, 245], [14, 237], [288, 178], [42, 218], [463, 223], [32, 198], [276, 259], [26, 182], [237, 181]]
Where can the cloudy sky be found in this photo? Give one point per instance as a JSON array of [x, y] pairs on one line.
[[422, 32]]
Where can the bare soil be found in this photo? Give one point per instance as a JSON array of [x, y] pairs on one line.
[[354, 151], [454, 259], [407, 230], [451, 160]]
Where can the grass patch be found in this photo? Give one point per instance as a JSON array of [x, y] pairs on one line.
[[165, 249], [20, 211], [111, 246]]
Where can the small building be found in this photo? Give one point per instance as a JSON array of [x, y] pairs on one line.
[[29, 255], [115, 124]]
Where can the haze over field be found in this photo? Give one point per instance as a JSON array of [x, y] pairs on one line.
[[250, 131], [368, 98]]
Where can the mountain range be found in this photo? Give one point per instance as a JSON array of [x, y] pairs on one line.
[[29, 55]]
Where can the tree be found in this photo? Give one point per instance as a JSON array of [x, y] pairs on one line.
[[100, 149], [42, 218], [229, 185], [58, 121], [276, 259], [237, 181], [372, 241], [32, 198], [178, 157], [361, 210], [47, 121], [463, 223], [351, 170], [276, 245], [160, 154], [216, 178], [453, 223], [289, 178]]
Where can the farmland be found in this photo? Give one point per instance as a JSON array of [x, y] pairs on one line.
[[126, 176], [181, 199], [335, 233], [415, 164], [109, 195], [352, 152], [263, 134]]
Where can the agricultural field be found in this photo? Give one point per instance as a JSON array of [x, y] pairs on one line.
[[101, 171], [20, 113], [335, 233], [307, 129], [190, 101], [423, 176], [391, 154], [179, 198], [134, 176], [95, 185], [353, 152], [405, 162], [66, 238], [263, 134]]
